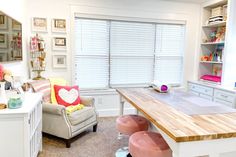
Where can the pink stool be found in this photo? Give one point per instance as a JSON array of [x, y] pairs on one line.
[[148, 144], [129, 124]]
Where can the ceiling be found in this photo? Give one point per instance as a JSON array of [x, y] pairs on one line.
[[189, 1]]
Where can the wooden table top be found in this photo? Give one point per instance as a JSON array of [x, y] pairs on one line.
[[168, 111]]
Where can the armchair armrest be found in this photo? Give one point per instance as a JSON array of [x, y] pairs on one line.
[[87, 101], [53, 109]]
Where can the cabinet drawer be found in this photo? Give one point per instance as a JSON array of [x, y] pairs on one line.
[[195, 93], [224, 102], [226, 96], [206, 97], [201, 89], [192, 87]]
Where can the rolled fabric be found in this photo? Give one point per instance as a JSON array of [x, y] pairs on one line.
[[160, 87]]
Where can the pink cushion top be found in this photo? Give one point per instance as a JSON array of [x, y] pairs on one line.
[[129, 124], [148, 144]]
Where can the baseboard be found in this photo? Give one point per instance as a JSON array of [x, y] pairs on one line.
[[114, 112]]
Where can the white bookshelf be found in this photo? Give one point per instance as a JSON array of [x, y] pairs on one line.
[[207, 46]]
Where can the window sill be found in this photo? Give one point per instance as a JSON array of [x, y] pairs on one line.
[[108, 91]]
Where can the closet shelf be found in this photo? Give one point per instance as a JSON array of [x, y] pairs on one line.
[[216, 24], [211, 62], [213, 43]]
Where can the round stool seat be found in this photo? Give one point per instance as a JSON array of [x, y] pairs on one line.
[[148, 144], [129, 124]]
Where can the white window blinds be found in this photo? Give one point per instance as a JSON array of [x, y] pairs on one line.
[[91, 53], [116, 53], [131, 53], [169, 53]]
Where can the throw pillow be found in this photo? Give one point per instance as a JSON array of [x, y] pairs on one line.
[[67, 95], [42, 86], [55, 81]]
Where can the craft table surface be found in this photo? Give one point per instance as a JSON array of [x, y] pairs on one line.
[[183, 116]]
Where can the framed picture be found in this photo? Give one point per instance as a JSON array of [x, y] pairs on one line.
[[39, 24], [3, 21], [3, 56], [59, 25], [59, 43], [3, 40], [59, 61], [16, 26]]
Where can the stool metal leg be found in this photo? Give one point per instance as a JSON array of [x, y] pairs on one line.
[[124, 151]]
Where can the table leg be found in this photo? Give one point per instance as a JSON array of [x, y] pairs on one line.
[[122, 102]]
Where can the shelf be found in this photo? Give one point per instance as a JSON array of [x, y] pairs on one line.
[[216, 24], [219, 3], [213, 43], [211, 62]]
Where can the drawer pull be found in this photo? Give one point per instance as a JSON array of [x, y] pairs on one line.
[[225, 96]]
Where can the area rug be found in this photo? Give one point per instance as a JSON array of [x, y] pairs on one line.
[[103, 143]]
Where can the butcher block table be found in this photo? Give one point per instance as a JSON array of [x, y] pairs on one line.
[[192, 126]]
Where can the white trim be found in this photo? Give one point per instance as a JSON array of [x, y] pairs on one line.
[[93, 92], [114, 112], [129, 19]]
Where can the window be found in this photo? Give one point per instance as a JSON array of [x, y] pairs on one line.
[[92, 53], [132, 47], [117, 53], [169, 53]]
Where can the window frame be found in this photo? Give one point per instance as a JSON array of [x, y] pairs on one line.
[[130, 19]]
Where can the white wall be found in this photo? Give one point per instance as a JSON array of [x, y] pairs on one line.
[[17, 10], [229, 74], [107, 104], [154, 9]]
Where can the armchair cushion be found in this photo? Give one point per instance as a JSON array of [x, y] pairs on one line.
[[80, 116]]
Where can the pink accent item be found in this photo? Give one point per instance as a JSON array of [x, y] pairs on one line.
[[148, 144], [211, 78], [164, 88], [129, 124]]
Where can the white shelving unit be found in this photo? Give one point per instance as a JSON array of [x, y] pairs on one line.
[[214, 49], [21, 129], [224, 92]]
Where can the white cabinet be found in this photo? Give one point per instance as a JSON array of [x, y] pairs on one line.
[[21, 129], [213, 93]]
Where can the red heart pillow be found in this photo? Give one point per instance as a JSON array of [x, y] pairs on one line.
[[67, 95]]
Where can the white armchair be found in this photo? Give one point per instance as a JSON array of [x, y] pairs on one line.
[[58, 123]]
